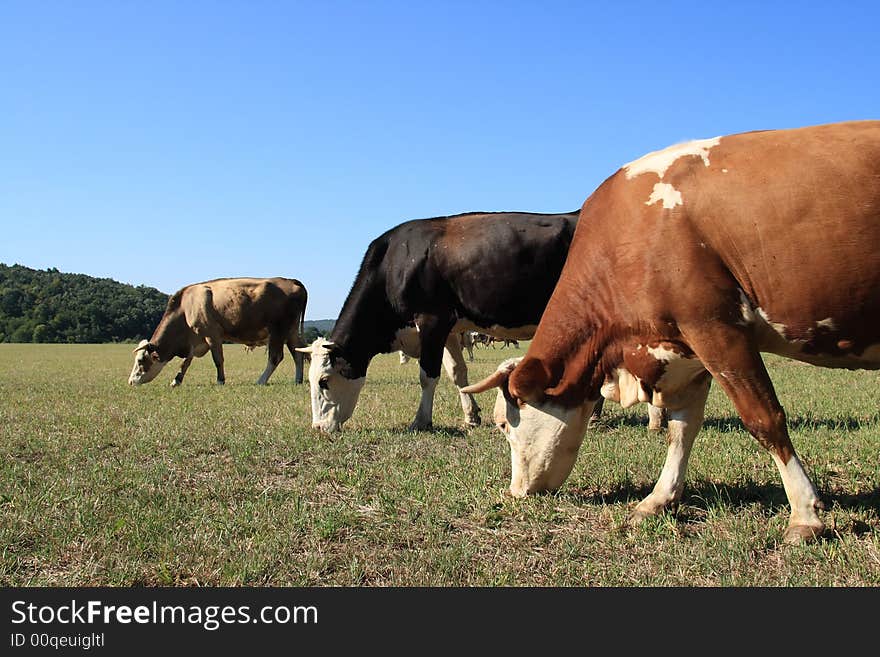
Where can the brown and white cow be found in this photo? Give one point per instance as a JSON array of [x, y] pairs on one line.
[[200, 317], [685, 265]]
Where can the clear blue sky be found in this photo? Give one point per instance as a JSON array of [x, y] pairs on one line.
[[164, 143]]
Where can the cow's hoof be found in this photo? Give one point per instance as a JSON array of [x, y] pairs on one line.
[[594, 422], [419, 426], [221, 383], [800, 534], [175, 383], [636, 518], [658, 428]]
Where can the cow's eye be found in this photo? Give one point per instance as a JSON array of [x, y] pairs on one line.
[[324, 383]]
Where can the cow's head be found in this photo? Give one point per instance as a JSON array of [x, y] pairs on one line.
[[544, 435], [147, 364], [333, 389]]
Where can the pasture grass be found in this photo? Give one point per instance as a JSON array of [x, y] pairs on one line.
[[104, 484]]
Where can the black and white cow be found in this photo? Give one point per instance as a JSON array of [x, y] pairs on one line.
[[493, 272]]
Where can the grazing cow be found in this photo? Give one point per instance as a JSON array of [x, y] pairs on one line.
[[200, 317], [491, 271], [686, 264], [481, 339]]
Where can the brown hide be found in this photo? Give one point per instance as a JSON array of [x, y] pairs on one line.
[[790, 219]]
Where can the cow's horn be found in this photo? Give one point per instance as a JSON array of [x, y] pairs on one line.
[[494, 380], [143, 344], [305, 350]]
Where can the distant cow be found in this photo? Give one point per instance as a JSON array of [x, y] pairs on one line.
[[687, 264], [481, 338], [467, 343], [200, 317]]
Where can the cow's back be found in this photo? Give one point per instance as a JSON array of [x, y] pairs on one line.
[[784, 222], [492, 268], [243, 308]]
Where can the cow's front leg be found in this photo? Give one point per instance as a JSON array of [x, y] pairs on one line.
[[432, 338], [216, 347], [684, 424], [177, 380], [453, 363]]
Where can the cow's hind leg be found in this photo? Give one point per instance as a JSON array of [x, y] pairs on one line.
[[275, 352], [432, 336], [453, 363], [298, 357], [217, 354], [740, 372], [684, 425]]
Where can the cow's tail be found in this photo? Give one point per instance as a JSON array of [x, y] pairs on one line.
[[302, 318]]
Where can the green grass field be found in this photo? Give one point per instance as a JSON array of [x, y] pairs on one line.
[[103, 484]]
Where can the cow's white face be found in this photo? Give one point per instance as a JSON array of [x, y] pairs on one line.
[[146, 364], [333, 395], [544, 437]]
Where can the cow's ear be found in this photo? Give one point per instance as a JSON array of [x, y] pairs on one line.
[[530, 382], [154, 355]]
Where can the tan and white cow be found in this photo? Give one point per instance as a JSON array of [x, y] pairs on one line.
[[687, 264], [200, 317]]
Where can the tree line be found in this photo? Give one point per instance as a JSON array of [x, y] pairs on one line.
[[51, 306]]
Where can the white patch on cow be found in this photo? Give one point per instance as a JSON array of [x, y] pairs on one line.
[[659, 161], [779, 328], [624, 388], [745, 308], [544, 442], [145, 368], [723, 170], [426, 404], [799, 490], [827, 323], [664, 354], [333, 396], [667, 194]]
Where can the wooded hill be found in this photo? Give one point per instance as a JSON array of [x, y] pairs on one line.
[[50, 306]]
